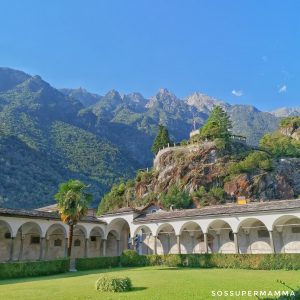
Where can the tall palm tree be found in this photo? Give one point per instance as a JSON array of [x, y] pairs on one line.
[[72, 204]]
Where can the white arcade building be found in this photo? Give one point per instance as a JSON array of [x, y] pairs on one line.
[[258, 227]]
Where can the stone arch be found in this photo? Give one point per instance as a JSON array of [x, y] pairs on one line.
[[143, 240], [253, 236], [95, 242], [221, 233], [56, 242], [28, 242], [120, 240], [191, 238], [79, 241], [166, 239], [5, 240], [286, 232]]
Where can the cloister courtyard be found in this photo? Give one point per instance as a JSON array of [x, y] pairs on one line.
[[155, 283]]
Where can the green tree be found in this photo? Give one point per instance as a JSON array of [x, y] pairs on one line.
[[72, 203], [175, 197], [162, 139], [280, 145], [218, 125]]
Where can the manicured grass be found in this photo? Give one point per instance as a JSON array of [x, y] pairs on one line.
[[153, 283]]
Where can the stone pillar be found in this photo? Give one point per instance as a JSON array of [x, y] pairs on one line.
[[66, 247], [272, 241], [178, 244], [104, 247], [12, 246], [21, 247], [86, 248], [205, 243], [42, 248], [100, 242], [218, 242], [46, 248], [118, 247], [236, 244], [155, 244]]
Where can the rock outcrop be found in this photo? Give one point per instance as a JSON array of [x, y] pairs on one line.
[[192, 167]]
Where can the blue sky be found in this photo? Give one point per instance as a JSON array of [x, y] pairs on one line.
[[244, 52]]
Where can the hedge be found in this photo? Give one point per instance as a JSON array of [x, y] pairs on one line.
[[233, 261], [33, 268], [97, 263]]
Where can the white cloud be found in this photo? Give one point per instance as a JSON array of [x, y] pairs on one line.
[[282, 89], [236, 93]]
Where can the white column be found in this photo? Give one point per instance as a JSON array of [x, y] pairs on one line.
[[178, 244], [272, 241], [155, 244], [236, 244], [104, 247], [86, 247], [205, 243], [12, 246], [42, 247]]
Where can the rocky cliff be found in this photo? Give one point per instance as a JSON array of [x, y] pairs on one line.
[[195, 166]]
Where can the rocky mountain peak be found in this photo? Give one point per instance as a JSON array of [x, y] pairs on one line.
[[286, 112], [204, 103], [163, 97]]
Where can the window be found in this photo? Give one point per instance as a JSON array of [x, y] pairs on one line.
[[7, 235], [230, 235], [77, 243], [295, 229], [263, 233], [93, 238], [35, 239], [57, 243]]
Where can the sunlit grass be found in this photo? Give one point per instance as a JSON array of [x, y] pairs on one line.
[[149, 283]]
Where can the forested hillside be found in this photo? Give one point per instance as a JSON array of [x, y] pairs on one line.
[[49, 135]]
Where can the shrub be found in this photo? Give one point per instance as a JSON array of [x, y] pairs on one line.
[[113, 284], [254, 161], [175, 197], [220, 143], [97, 263], [33, 268], [130, 258]]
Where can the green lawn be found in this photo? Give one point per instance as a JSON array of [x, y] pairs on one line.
[[151, 283]]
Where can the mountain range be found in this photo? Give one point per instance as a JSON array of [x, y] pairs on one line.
[[49, 135]]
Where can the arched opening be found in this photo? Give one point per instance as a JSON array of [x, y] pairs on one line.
[[222, 240], [118, 238], [166, 240], [28, 242], [79, 239], [112, 243], [56, 243], [286, 231], [254, 237], [5, 241], [143, 240], [95, 243], [191, 238]]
